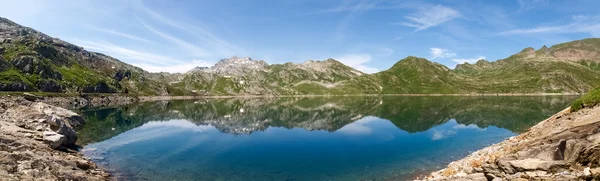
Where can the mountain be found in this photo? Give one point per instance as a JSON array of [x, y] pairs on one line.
[[235, 76], [34, 62], [564, 68]]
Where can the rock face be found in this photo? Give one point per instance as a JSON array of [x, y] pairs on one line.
[[31, 134], [564, 147]]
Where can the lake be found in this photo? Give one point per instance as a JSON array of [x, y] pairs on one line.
[[308, 138]]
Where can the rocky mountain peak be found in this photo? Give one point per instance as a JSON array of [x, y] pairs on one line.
[[236, 66], [240, 61]]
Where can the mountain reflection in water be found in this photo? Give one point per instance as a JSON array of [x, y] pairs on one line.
[[318, 138]]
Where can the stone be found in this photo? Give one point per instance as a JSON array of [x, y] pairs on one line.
[[30, 97], [53, 139], [497, 179], [595, 171], [586, 171], [535, 164], [506, 166], [477, 177]]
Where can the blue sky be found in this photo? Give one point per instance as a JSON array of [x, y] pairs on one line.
[[175, 36]]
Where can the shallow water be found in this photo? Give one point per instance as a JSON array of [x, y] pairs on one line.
[[323, 138]]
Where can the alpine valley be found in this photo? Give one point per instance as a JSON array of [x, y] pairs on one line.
[[31, 61]]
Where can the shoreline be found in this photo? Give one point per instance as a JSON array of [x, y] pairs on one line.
[[94, 100], [38, 142], [565, 146], [145, 98]]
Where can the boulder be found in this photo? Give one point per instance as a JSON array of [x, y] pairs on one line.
[[53, 139], [31, 97], [530, 164], [4, 65], [50, 86], [62, 121], [33, 65]]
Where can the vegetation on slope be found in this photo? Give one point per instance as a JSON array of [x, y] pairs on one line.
[[590, 99], [33, 61]]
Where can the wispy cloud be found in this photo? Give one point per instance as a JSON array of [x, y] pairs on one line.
[[429, 17], [527, 5], [468, 60], [191, 48], [358, 62], [355, 10], [579, 24], [175, 67], [121, 34], [441, 53], [146, 60], [209, 40]]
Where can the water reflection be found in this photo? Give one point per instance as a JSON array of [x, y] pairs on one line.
[[324, 138], [244, 116]]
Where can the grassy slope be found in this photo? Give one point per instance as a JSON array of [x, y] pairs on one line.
[[590, 99]]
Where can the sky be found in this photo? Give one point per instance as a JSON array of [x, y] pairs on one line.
[[369, 35]]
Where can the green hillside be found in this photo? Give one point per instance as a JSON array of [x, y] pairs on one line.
[[31, 61]]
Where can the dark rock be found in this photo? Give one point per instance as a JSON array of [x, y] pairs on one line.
[[101, 87], [51, 53], [30, 97], [15, 86], [122, 74], [33, 65], [4, 65], [50, 86]]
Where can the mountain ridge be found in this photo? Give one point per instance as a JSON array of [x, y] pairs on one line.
[[33, 61]]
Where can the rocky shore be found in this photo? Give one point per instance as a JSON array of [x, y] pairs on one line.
[[565, 146], [37, 142]]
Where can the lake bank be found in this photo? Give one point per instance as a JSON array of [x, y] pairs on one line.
[[565, 146], [76, 101], [38, 142]]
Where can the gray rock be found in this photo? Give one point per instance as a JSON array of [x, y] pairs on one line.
[[53, 139], [535, 164], [506, 166], [477, 177]]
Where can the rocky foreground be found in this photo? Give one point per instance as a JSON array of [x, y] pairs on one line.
[[566, 146], [37, 142]]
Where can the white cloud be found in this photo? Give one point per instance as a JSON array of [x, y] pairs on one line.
[[430, 17], [125, 53], [579, 24], [526, 5], [173, 68], [468, 60], [215, 43], [191, 48], [121, 34], [145, 60], [358, 62], [470, 126], [441, 53], [360, 127]]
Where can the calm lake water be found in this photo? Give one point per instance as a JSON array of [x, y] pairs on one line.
[[322, 138]]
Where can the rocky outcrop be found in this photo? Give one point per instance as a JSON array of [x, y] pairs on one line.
[[563, 147], [32, 135]]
